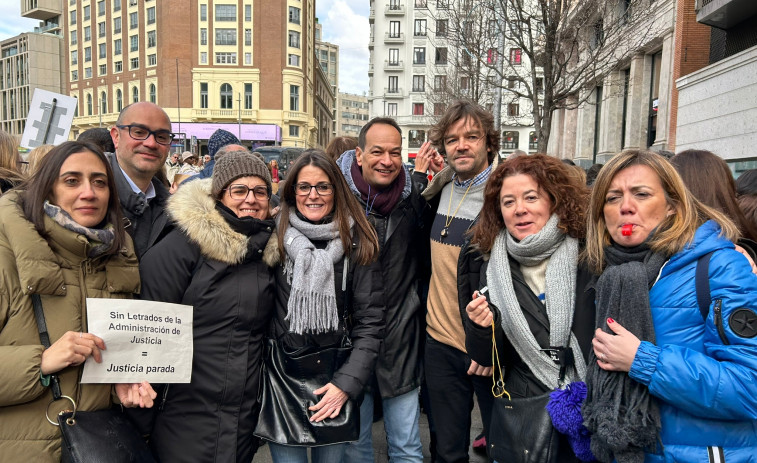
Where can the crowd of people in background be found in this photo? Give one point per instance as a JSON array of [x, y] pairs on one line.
[[468, 276]]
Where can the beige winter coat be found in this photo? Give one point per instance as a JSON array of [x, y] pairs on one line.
[[56, 268]]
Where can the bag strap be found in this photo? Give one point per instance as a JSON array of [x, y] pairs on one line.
[[39, 315], [702, 284]]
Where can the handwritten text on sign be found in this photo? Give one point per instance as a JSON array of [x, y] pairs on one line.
[[144, 340]]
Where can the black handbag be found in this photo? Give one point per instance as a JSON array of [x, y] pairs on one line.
[[286, 392], [521, 429], [92, 436]]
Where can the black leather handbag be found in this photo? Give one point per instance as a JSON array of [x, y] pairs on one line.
[[92, 436], [286, 393]]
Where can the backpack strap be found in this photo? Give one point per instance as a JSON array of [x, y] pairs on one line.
[[702, 284]]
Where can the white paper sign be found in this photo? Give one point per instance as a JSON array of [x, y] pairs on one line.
[[49, 119], [144, 340]]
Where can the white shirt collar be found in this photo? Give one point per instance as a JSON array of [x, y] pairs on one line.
[[149, 194]]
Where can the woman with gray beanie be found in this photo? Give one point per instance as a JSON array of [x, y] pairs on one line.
[[213, 261]]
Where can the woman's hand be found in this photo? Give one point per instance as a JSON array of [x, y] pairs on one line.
[[71, 349], [478, 311], [615, 352], [478, 370], [133, 395], [331, 403]]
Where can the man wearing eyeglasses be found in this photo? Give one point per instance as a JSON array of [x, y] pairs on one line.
[[142, 137]]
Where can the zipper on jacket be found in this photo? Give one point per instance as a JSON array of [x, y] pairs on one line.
[[719, 321]]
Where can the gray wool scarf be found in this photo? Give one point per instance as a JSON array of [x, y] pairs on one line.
[[100, 239], [562, 252], [621, 414], [312, 304]]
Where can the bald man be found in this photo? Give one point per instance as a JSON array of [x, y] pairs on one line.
[[142, 137]]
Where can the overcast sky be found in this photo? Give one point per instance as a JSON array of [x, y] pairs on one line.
[[345, 23]]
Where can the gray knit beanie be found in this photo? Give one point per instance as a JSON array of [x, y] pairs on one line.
[[235, 165]]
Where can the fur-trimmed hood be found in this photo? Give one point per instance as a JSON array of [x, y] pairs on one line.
[[193, 210]]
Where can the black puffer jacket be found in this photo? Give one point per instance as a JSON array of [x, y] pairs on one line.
[[203, 262], [366, 315], [402, 239]]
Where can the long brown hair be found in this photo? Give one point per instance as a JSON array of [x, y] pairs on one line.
[[710, 180], [9, 159], [35, 191], [345, 206], [674, 232], [568, 195]]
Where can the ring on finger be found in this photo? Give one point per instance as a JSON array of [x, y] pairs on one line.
[[80, 334], [601, 356]]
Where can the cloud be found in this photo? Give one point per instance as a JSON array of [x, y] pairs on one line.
[[345, 23], [11, 22]]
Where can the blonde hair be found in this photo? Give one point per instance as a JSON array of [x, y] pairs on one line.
[[36, 156], [9, 158], [675, 231]]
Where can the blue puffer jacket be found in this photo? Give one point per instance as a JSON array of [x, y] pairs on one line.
[[704, 373]]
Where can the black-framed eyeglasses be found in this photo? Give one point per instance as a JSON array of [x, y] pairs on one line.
[[239, 192], [138, 132], [304, 189]]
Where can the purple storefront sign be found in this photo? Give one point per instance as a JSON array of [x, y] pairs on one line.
[[257, 132]]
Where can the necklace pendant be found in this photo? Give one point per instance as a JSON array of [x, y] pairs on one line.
[[444, 232]]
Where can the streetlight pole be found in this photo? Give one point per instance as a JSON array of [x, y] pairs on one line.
[[239, 117]]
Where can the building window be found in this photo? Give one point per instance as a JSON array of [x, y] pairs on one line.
[[248, 12], [73, 38], [417, 109], [203, 95], [294, 60], [117, 25], [510, 140], [294, 130], [203, 36], [152, 60], [394, 29], [491, 56], [75, 57], [391, 109], [133, 43], [103, 103], [226, 58], [134, 63], [74, 76], [513, 109], [87, 73], [247, 96], [516, 56], [394, 5], [101, 8], [226, 12], [151, 15], [248, 58], [103, 69], [248, 37], [394, 57], [419, 83], [101, 29], [442, 4], [88, 54], [133, 20], [89, 104], [415, 138], [153, 94], [421, 4], [441, 27], [539, 85], [151, 39], [119, 101], [72, 21], [86, 13], [203, 57], [203, 12], [512, 82], [134, 95], [118, 66], [87, 33], [294, 39], [439, 109], [101, 50], [227, 97], [419, 29], [419, 55], [394, 83], [465, 83], [294, 15], [117, 6], [117, 47], [440, 83], [533, 141], [226, 36], [441, 56], [294, 98]]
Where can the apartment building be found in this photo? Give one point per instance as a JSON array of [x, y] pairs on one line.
[[353, 112], [421, 59], [327, 55], [243, 65], [29, 61]]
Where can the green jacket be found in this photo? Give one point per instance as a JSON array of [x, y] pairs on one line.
[[58, 269]]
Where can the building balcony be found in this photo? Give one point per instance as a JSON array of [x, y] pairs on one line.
[[370, 69], [393, 65], [394, 10], [297, 116], [224, 114], [41, 9], [394, 38], [724, 14], [393, 93], [372, 15]]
